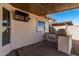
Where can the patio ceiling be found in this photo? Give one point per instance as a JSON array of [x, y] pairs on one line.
[[42, 9]]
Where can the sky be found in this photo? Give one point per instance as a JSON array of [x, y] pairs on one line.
[[68, 15]]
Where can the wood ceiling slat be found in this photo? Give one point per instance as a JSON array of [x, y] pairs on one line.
[[37, 10], [44, 8]]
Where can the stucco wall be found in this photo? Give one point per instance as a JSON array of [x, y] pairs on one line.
[[22, 33]]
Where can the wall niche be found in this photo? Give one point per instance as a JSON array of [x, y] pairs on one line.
[[21, 16]]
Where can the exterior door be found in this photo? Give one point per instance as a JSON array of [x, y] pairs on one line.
[[6, 27]]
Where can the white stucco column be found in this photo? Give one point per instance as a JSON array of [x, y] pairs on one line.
[[65, 44]]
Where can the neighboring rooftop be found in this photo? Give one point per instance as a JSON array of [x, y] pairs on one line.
[[62, 23]]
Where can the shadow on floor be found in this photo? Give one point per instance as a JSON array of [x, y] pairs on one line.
[[75, 47], [44, 48]]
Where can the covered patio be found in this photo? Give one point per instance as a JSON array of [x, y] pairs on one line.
[[25, 35]]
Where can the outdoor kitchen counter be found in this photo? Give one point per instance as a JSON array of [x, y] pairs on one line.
[[65, 44]]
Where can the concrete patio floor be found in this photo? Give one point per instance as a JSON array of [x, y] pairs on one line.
[[43, 48]]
